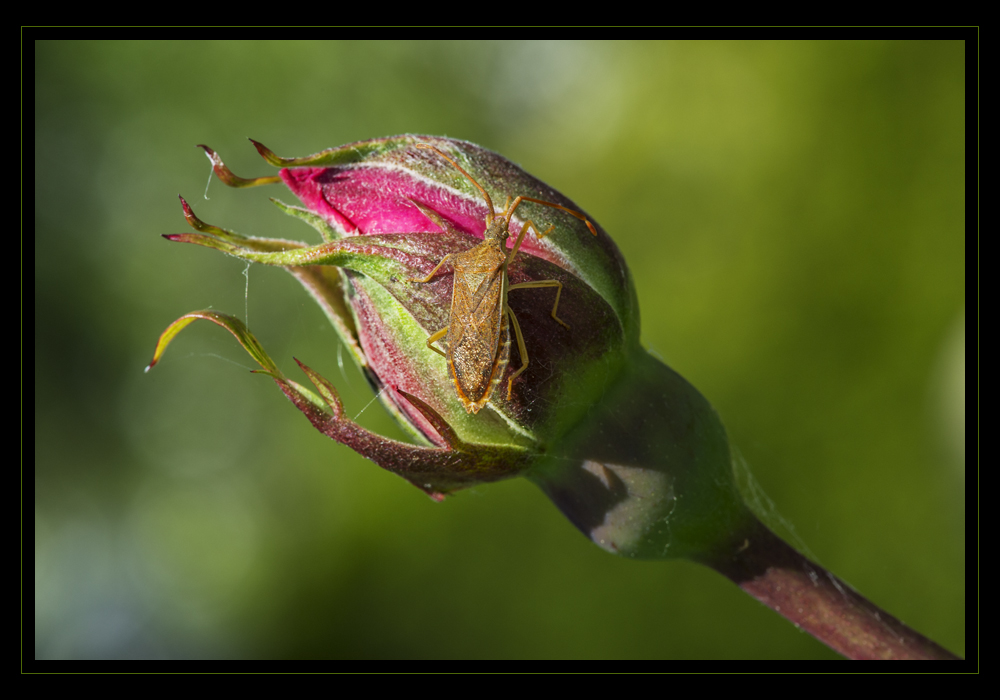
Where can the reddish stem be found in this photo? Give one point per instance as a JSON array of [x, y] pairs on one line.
[[812, 598]]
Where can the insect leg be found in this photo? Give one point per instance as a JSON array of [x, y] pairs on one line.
[[520, 236], [428, 277], [520, 348], [544, 283], [437, 336], [508, 212], [522, 198]]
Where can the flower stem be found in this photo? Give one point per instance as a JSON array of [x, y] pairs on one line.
[[812, 598]]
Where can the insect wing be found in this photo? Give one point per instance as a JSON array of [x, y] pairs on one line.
[[478, 344]]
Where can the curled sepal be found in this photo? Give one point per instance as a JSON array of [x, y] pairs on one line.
[[199, 225], [435, 470], [350, 153], [231, 324], [228, 177], [325, 230], [236, 239], [362, 256]]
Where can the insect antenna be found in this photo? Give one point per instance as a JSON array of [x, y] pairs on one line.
[[489, 202]]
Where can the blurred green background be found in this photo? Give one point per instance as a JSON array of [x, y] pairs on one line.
[[793, 214]]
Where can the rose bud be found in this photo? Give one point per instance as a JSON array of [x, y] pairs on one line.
[[506, 340]]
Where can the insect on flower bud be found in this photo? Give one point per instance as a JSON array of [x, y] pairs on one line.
[[506, 342], [500, 337]]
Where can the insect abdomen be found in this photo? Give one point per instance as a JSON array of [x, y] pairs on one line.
[[478, 339]]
